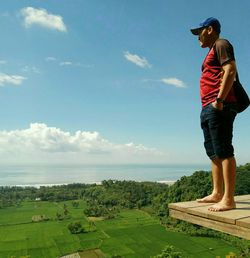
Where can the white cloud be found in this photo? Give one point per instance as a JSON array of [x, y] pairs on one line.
[[42, 143], [70, 63], [137, 60], [50, 59], [11, 79], [66, 63], [174, 81], [2, 62], [32, 69], [41, 17]]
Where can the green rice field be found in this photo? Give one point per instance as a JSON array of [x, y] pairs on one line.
[[133, 234]]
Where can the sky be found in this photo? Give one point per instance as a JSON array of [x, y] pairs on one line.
[[111, 81]]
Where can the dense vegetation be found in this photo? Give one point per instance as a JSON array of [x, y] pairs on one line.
[[109, 198]]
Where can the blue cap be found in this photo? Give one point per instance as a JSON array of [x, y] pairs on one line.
[[208, 22]]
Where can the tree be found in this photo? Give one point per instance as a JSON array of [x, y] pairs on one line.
[[59, 216], [168, 252], [92, 225], [75, 204], [76, 228]]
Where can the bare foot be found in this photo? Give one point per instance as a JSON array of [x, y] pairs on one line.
[[210, 198], [223, 206]]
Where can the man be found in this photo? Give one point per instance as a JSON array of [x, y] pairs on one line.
[[218, 112]]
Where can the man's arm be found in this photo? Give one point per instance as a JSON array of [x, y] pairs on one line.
[[227, 80]]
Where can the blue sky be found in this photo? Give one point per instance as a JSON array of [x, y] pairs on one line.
[[112, 81]]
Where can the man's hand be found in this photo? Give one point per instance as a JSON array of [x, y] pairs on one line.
[[217, 105]]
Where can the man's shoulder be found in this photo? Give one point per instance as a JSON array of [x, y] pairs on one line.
[[222, 42], [224, 51]]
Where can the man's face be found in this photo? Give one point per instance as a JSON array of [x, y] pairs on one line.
[[204, 37]]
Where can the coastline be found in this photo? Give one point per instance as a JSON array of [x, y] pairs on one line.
[[49, 175], [167, 182]]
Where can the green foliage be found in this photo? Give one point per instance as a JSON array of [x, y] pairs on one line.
[[191, 187], [75, 204], [133, 233], [199, 185], [39, 218], [109, 200], [125, 194], [76, 228], [168, 252], [59, 216], [25, 256], [243, 180], [11, 196]]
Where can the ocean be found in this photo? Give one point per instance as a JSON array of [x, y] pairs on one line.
[[44, 175]]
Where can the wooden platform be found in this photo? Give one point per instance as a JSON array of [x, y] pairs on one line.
[[234, 222]]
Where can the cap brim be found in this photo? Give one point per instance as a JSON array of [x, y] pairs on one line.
[[196, 31]]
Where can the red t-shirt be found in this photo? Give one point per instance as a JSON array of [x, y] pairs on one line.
[[221, 53]]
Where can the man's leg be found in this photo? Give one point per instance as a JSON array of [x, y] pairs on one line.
[[229, 175], [207, 114], [217, 176]]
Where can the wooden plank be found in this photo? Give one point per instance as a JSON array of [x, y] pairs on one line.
[[235, 222], [241, 211], [242, 197], [183, 206], [231, 229], [244, 222]]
